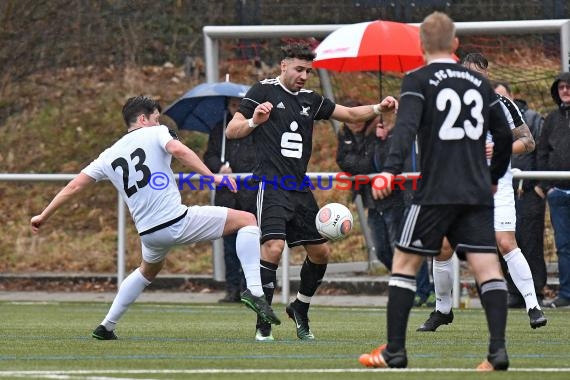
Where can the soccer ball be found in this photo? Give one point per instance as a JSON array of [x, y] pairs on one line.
[[334, 221]]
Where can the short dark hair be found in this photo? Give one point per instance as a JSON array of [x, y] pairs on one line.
[[504, 84], [139, 105], [298, 50], [476, 59]]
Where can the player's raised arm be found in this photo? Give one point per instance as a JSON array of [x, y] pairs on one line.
[[191, 160], [74, 187], [387, 108], [240, 127]]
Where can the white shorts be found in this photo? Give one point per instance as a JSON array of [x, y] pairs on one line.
[[200, 223], [505, 212]]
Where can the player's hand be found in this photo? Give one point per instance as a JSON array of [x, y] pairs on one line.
[[489, 150], [262, 112], [538, 190], [225, 169], [389, 104], [389, 109], [381, 132], [382, 185], [218, 179], [36, 222]]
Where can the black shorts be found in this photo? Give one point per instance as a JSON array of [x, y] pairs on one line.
[[287, 215], [469, 228]]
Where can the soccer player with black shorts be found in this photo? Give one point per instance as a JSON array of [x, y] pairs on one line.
[[450, 108], [505, 220], [280, 114]]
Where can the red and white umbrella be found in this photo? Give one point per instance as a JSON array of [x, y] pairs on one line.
[[371, 46]]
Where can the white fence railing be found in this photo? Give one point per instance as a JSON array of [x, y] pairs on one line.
[[218, 254]]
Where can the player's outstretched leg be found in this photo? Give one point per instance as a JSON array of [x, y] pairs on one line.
[[260, 306]]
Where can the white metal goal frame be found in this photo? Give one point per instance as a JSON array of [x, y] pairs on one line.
[[214, 33]]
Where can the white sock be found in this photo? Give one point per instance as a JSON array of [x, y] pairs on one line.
[[304, 298], [522, 277], [249, 253], [443, 285], [130, 289]]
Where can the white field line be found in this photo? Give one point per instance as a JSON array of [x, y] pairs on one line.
[[91, 374]]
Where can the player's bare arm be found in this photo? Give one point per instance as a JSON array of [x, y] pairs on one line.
[[191, 160], [240, 127], [387, 108], [75, 186], [523, 142]]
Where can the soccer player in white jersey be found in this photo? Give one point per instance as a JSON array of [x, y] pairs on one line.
[[162, 221], [504, 221]]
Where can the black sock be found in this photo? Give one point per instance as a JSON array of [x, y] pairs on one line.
[[268, 273], [494, 301], [401, 292], [311, 278]]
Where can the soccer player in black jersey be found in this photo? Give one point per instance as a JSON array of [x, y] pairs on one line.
[[280, 114], [450, 108], [505, 220]]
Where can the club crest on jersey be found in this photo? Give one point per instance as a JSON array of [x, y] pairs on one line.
[[305, 111]]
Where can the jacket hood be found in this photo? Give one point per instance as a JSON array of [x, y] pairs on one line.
[[565, 77], [522, 104]]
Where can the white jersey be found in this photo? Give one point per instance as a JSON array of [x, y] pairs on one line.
[[130, 164], [505, 194]]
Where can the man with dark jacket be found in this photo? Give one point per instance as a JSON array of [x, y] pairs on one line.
[[553, 153], [224, 157], [362, 148]]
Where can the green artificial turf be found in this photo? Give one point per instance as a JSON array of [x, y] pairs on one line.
[[179, 341]]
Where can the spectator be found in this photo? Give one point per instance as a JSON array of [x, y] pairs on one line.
[[554, 154], [226, 157], [362, 147]]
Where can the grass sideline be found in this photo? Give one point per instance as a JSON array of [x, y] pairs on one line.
[[210, 341]]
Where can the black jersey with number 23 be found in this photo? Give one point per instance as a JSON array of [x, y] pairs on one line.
[[451, 109]]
